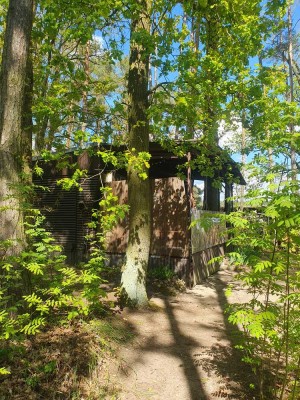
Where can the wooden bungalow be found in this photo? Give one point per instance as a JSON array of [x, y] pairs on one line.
[[68, 212]]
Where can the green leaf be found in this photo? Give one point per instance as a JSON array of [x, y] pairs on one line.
[[7, 267], [262, 265], [4, 371], [35, 268], [34, 326]]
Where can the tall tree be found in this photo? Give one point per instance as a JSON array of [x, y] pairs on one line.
[[202, 75], [137, 254], [291, 89], [13, 134], [75, 74]]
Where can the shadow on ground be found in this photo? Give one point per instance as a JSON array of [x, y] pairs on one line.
[[213, 359], [225, 361]]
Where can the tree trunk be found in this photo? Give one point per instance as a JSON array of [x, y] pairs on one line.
[[13, 135], [86, 83], [291, 93], [211, 94], [244, 156], [137, 255]]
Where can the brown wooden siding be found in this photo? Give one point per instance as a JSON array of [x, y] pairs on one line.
[[169, 220], [68, 212], [203, 269]]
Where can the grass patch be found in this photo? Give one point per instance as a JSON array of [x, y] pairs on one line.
[[164, 281], [166, 287], [161, 273], [112, 331], [154, 307]]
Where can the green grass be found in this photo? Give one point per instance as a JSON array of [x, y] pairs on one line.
[[162, 273]]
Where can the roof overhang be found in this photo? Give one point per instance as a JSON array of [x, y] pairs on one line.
[[169, 160]]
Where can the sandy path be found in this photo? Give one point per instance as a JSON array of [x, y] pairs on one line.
[[184, 349]]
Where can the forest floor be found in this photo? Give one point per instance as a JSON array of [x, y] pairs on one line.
[[180, 348]]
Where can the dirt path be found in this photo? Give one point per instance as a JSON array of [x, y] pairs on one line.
[[184, 349]]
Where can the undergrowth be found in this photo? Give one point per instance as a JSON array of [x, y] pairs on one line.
[[267, 254], [164, 280], [65, 362], [38, 289]]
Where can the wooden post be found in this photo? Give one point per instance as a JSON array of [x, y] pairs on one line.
[[228, 195], [211, 196]]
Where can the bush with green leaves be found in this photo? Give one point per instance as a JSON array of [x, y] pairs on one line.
[[110, 212], [37, 283], [267, 247], [37, 286]]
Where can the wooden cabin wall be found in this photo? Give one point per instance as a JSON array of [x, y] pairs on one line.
[[169, 243], [203, 269], [68, 212], [169, 220], [116, 240]]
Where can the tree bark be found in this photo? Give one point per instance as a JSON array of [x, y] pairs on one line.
[[291, 91], [86, 83], [14, 137], [211, 95], [133, 283]]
